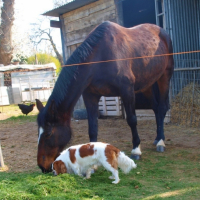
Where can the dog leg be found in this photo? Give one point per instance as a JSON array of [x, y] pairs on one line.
[[111, 177], [77, 171], [112, 170], [115, 174], [88, 173]]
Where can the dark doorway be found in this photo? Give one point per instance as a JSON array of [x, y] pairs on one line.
[[138, 12]]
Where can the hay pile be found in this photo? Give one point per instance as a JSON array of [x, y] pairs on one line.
[[184, 109]]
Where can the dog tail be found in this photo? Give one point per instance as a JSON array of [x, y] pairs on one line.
[[125, 163]]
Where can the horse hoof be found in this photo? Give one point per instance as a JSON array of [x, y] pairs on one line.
[[155, 142], [160, 148], [135, 157]]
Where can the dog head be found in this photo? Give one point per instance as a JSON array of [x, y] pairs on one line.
[[59, 167]]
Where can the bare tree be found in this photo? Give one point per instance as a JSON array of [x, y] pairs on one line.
[[7, 18], [45, 35]]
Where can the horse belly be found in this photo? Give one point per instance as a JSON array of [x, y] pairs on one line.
[[145, 76], [103, 89]]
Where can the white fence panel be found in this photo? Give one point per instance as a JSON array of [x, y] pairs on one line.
[[4, 96], [110, 106]]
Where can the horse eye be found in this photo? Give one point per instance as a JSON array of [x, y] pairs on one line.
[[48, 134], [50, 130], [49, 124]]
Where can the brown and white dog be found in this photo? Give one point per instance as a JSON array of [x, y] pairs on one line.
[[81, 159]]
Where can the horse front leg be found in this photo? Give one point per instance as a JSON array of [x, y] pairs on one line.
[[129, 105], [91, 102]]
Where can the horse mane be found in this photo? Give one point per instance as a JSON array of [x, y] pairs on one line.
[[68, 74]]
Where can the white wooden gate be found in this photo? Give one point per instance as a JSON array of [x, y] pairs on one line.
[[110, 106]]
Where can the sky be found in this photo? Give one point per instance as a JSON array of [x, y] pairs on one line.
[[27, 13]]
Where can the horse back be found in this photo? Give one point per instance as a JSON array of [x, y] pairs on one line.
[[139, 47]]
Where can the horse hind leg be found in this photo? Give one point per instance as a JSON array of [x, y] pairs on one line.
[[129, 105], [160, 108]]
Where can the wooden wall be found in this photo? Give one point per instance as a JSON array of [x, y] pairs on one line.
[[76, 25], [79, 23]]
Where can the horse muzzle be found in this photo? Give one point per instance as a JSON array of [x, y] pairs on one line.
[[45, 170]]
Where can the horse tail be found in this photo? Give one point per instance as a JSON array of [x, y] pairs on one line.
[[166, 38], [125, 163]]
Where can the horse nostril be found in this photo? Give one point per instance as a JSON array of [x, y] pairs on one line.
[[42, 168], [50, 169]]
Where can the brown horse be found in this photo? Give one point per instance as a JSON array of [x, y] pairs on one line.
[[141, 83]]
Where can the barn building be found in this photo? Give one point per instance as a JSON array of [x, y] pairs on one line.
[[180, 18]]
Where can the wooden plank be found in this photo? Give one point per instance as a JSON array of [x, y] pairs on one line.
[[104, 105], [117, 105], [109, 98], [55, 24], [63, 39], [99, 17], [87, 10], [78, 36], [1, 157], [78, 41], [111, 108], [73, 48], [119, 12], [112, 105], [108, 103]]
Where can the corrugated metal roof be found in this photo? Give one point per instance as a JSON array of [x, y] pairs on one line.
[[28, 67], [68, 7]]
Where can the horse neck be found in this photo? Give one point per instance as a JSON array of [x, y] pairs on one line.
[[72, 93]]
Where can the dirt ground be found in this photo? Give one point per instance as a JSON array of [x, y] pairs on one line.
[[19, 141]]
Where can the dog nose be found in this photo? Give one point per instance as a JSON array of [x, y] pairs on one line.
[[54, 173]]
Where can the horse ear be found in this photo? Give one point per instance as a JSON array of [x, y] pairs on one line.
[[52, 108], [39, 104]]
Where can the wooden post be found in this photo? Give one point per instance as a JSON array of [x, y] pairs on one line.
[[104, 105], [1, 157], [29, 83]]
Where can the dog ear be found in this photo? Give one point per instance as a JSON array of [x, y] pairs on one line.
[[63, 168], [57, 166]]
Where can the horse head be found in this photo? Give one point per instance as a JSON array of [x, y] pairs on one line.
[[54, 133]]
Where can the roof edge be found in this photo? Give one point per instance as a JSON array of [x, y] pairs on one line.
[[73, 5]]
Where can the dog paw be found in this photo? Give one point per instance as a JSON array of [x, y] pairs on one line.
[[116, 181]]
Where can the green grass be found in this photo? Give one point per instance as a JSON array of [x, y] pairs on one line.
[[158, 176], [20, 119], [14, 114]]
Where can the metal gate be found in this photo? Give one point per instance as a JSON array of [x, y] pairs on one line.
[[181, 19]]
